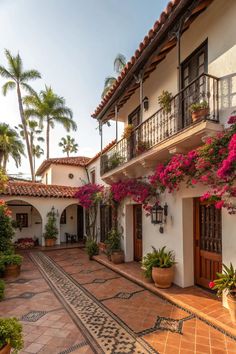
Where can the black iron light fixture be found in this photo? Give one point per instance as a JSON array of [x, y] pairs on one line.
[[159, 215], [145, 103]]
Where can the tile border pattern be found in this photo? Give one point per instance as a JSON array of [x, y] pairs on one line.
[[103, 330], [74, 347]]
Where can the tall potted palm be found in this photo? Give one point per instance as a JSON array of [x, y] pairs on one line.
[[18, 78], [51, 230], [50, 109]]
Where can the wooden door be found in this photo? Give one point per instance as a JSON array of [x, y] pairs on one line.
[[208, 242], [80, 222], [195, 65], [105, 221], [138, 232], [134, 119]]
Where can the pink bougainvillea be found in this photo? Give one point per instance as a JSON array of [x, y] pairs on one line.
[[89, 194]]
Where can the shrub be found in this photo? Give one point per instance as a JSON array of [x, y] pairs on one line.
[[157, 258], [51, 230], [113, 241], [92, 248], [225, 281], [6, 227], [11, 333], [11, 259], [2, 289]]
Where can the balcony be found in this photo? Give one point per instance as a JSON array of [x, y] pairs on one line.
[[162, 126]]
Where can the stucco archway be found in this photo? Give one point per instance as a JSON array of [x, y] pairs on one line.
[[28, 219], [72, 222]]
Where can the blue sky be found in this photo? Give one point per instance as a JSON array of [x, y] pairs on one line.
[[73, 44]]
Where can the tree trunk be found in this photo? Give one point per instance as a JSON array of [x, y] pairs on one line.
[[31, 148], [25, 131], [47, 137]]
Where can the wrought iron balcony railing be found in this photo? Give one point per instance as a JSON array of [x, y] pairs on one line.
[[162, 125]]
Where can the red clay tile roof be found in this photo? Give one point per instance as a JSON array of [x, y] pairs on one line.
[[153, 32], [30, 189], [106, 148], [70, 161]]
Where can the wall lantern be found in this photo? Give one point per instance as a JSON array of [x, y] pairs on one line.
[[145, 103], [159, 215]]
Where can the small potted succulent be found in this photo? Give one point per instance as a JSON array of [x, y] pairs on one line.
[[11, 338], [226, 283], [51, 230], [161, 263], [114, 251], [199, 110], [11, 263], [164, 101], [92, 248], [127, 131]]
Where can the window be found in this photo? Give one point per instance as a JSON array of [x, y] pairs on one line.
[[63, 217], [105, 221], [93, 176], [22, 220]]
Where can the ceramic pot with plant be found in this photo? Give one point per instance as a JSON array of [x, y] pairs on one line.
[[114, 251], [147, 262], [11, 264], [11, 337], [226, 283], [162, 263], [142, 146], [51, 230], [92, 248], [164, 101], [199, 110], [128, 131], [115, 160]]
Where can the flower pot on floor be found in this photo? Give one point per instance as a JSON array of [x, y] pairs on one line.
[[12, 270], [49, 242], [117, 257], [6, 349], [232, 307], [200, 114], [163, 277], [102, 247]]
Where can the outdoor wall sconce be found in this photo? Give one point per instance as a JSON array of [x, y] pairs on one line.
[[159, 215], [145, 103]]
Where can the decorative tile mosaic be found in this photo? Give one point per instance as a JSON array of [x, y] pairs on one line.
[[74, 347], [110, 335], [33, 316], [126, 296], [27, 295]]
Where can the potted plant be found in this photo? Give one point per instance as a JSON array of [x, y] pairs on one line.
[[2, 289], [162, 264], [115, 160], [51, 230], [142, 146], [113, 242], [11, 264], [147, 264], [199, 110], [226, 283], [10, 336], [91, 248], [164, 101], [127, 131]]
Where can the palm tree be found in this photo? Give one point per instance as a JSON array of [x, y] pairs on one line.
[[37, 151], [68, 144], [119, 64], [18, 79], [10, 146], [49, 108]]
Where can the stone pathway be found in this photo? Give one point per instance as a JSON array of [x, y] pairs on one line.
[[111, 314]]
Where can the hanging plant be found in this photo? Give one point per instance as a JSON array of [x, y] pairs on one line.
[[128, 131], [164, 101]]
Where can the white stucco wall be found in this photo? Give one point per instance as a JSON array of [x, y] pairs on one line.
[[71, 222], [59, 174]]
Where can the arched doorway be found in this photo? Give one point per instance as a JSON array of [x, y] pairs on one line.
[[72, 224], [28, 220]]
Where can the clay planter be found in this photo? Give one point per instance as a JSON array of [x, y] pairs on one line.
[[117, 257], [102, 247], [163, 277], [200, 114], [6, 349], [12, 270], [232, 307], [49, 242]]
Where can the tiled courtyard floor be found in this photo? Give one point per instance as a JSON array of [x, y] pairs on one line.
[[112, 313]]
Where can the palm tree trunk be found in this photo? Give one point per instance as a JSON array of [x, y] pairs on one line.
[[5, 158], [47, 137], [1, 158], [25, 131]]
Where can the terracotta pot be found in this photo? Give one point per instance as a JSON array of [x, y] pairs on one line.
[[6, 349], [117, 257], [49, 242], [102, 246], [232, 307], [12, 270], [163, 277], [200, 114]]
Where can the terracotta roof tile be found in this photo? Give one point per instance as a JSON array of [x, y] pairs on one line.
[[30, 189], [147, 39], [71, 161]]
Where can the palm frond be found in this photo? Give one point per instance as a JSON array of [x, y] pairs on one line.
[[30, 75], [9, 85], [119, 63], [5, 73], [28, 88]]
